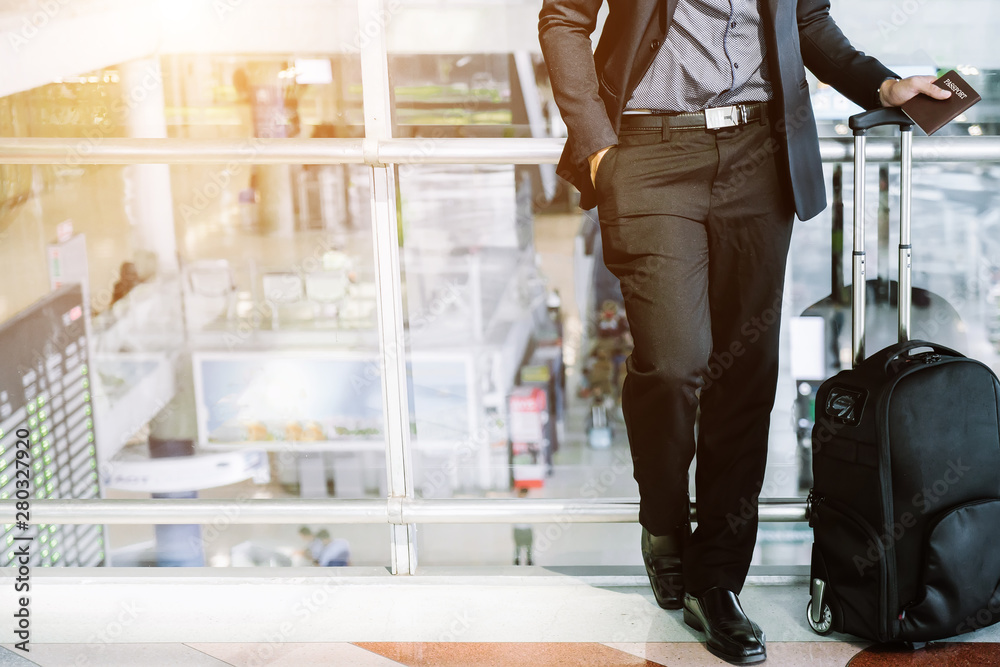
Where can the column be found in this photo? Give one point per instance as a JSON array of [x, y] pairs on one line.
[[148, 200], [272, 118], [173, 432]]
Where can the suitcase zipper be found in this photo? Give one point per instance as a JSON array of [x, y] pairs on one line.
[[816, 500], [943, 513], [885, 481]]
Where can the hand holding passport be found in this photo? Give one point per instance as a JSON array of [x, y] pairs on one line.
[[931, 114]]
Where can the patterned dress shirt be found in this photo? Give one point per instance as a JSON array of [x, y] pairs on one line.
[[713, 55]]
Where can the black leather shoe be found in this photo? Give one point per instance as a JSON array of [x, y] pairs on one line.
[[662, 556], [729, 634]]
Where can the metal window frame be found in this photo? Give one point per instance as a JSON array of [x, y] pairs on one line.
[[377, 97]]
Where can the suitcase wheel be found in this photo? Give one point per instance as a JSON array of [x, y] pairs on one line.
[[825, 624]]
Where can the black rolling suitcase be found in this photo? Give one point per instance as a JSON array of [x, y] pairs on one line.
[[905, 505]]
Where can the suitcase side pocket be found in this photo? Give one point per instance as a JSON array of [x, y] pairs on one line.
[[852, 560], [960, 577]]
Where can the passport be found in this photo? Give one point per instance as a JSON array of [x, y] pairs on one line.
[[931, 114]]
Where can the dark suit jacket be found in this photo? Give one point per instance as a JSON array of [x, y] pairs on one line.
[[591, 88]]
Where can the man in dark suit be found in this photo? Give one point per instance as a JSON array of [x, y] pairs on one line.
[[691, 129]]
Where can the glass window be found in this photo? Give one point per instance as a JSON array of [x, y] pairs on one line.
[[231, 346]]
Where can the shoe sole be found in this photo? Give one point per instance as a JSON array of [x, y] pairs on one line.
[[692, 621]]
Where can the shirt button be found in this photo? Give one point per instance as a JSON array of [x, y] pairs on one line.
[[654, 45], [733, 24], [736, 65]]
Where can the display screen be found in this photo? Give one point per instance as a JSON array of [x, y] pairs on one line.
[[323, 397], [273, 396], [45, 386]]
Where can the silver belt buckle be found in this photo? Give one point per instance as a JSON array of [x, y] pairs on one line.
[[720, 117]]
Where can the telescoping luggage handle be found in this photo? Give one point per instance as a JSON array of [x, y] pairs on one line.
[[861, 123], [891, 355]]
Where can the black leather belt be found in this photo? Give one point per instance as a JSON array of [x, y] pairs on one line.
[[711, 119]]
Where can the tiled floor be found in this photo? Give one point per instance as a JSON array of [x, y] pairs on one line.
[[469, 654], [441, 617]]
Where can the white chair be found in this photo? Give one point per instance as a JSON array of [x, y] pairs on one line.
[[209, 293], [285, 294]]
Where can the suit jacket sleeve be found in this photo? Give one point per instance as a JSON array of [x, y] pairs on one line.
[[564, 29], [829, 55]]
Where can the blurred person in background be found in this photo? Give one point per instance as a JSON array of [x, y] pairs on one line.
[[334, 552], [524, 536], [313, 545], [128, 278]]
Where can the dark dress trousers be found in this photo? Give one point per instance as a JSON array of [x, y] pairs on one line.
[[696, 224]]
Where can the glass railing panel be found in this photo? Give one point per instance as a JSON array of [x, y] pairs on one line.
[[225, 344]]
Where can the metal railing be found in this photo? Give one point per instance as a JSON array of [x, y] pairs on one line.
[[381, 152], [395, 511]]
